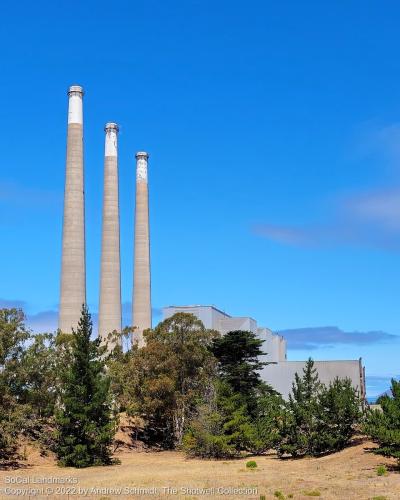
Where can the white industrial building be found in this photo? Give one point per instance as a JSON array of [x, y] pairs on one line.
[[280, 373]]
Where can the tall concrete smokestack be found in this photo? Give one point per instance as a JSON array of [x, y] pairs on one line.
[[110, 274], [73, 279], [141, 280]]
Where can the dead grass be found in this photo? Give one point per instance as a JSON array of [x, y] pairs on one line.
[[350, 474]]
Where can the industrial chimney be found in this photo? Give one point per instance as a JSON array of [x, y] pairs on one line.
[[141, 280], [73, 279], [110, 273]]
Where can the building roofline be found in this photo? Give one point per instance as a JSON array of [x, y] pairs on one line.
[[200, 305]]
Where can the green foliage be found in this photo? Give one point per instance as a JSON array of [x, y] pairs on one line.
[[85, 423], [339, 413], [238, 354], [251, 464], [266, 420], [318, 419], [13, 416], [167, 378], [225, 420], [221, 426], [39, 374], [242, 412], [383, 426], [279, 494], [299, 432], [312, 493], [381, 470]]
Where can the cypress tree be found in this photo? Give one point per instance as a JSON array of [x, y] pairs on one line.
[[238, 354], [85, 423]]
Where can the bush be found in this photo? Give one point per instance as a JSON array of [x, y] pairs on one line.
[[381, 470], [251, 464], [200, 443]]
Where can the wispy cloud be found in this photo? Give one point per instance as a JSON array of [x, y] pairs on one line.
[[327, 336], [369, 219], [18, 194], [10, 304]]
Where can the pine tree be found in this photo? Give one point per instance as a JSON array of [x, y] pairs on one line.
[[85, 423], [340, 412], [318, 419], [299, 432], [383, 426]]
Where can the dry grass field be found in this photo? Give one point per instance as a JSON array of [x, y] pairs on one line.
[[350, 474]]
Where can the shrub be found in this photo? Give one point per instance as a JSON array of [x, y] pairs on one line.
[[381, 470], [251, 464], [200, 443], [279, 494]]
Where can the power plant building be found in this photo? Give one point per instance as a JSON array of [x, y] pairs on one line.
[[280, 373]]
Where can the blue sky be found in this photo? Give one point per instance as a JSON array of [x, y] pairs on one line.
[[274, 137]]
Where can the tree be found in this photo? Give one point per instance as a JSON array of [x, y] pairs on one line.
[[217, 430], [383, 426], [238, 354], [13, 416], [224, 428], [340, 412], [169, 376], [299, 434], [318, 418], [243, 414], [40, 368], [85, 422], [268, 415]]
